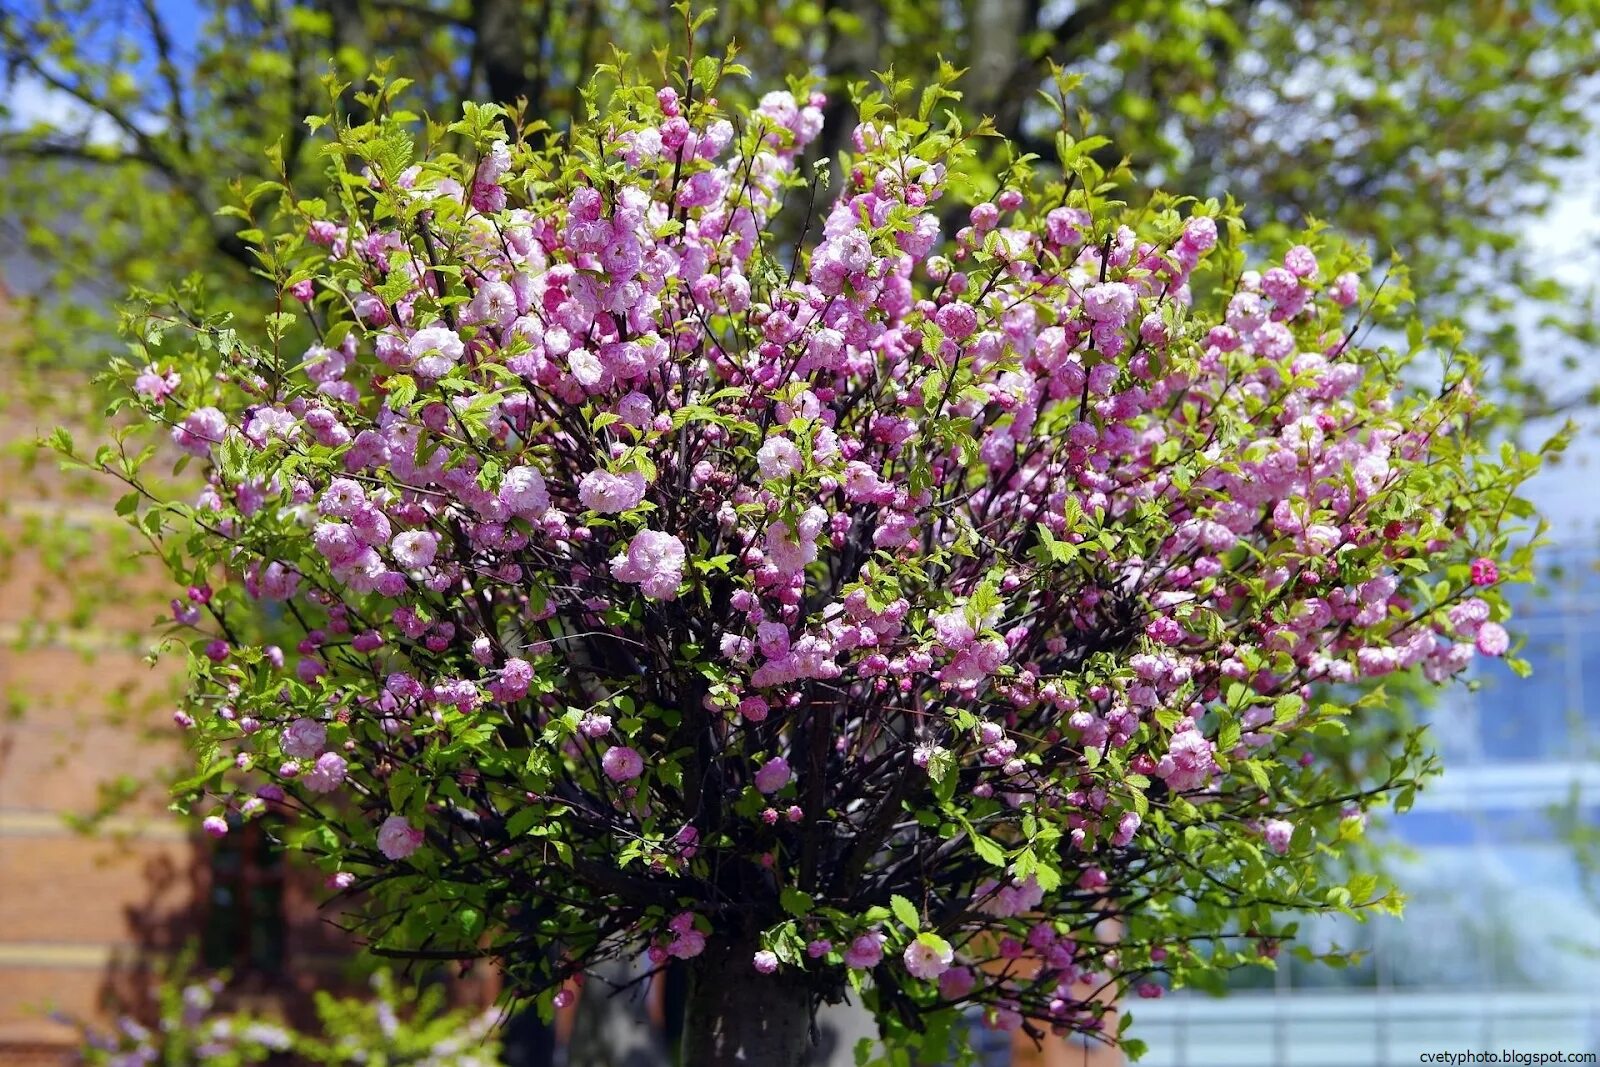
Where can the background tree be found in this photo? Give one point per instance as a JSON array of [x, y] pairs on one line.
[[1434, 130]]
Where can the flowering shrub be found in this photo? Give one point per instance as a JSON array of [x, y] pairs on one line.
[[390, 1028], [949, 616]]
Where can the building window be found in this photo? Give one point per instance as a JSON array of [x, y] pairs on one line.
[[244, 922]]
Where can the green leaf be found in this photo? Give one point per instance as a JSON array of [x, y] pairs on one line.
[[906, 912], [795, 902], [522, 821], [1228, 736], [1258, 775], [988, 851]]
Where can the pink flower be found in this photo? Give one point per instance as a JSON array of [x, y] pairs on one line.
[[397, 838], [1493, 639], [305, 738], [327, 774], [523, 491], [958, 321], [434, 350], [1301, 261], [1277, 834], [928, 957], [1468, 615], [778, 458], [513, 680], [766, 962], [1188, 764], [200, 430], [956, 983], [610, 493], [865, 952], [622, 764], [1113, 302], [773, 775], [687, 941], [156, 384], [1485, 571], [1013, 899], [215, 825], [653, 562], [1346, 288], [415, 549]]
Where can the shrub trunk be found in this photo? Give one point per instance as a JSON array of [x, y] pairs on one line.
[[738, 1017]]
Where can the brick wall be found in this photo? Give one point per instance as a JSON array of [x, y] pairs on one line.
[[90, 920], [78, 707]]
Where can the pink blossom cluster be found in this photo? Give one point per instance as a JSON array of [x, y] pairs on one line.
[[711, 561]]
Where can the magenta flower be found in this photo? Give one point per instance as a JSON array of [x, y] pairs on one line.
[[865, 952], [622, 764]]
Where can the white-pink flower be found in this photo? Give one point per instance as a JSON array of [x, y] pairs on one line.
[[610, 493], [654, 562], [766, 962], [1277, 833], [524, 492], [415, 549], [397, 838], [778, 458], [928, 956]]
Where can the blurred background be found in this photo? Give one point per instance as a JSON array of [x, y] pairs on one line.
[[1454, 136]]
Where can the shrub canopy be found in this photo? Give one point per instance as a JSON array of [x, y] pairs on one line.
[[946, 605]]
